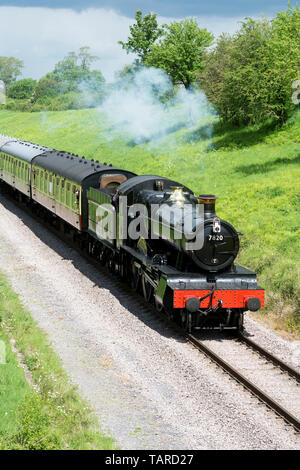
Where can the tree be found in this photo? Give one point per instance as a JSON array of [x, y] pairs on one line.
[[216, 64], [10, 69], [85, 58], [74, 69], [234, 75], [180, 51], [144, 33], [284, 59], [249, 76], [21, 89], [71, 84]]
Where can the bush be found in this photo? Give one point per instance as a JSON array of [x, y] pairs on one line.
[[249, 76], [21, 89], [64, 102], [47, 87], [18, 105], [34, 427]]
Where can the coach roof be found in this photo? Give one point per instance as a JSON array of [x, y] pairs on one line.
[[71, 166], [4, 139], [23, 150]]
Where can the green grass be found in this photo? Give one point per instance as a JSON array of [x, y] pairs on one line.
[[49, 413], [255, 172], [13, 389]]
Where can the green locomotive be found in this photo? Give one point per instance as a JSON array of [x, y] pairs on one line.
[[201, 287]]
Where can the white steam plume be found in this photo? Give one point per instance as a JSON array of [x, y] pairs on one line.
[[136, 111]]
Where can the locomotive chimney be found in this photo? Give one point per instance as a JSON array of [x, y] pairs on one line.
[[209, 201]]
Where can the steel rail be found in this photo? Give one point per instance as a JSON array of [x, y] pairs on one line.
[[276, 361]]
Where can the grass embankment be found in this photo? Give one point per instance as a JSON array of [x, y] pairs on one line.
[[44, 412], [255, 171]]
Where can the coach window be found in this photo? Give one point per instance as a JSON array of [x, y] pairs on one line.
[[68, 195], [57, 188], [50, 185], [62, 192], [74, 200]]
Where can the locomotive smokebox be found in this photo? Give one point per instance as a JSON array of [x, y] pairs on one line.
[[209, 201]]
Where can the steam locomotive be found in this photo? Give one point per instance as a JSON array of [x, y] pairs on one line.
[[150, 230]]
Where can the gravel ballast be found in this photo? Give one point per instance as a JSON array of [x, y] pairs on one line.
[[147, 386]]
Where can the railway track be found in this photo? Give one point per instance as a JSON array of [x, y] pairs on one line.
[[248, 384], [270, 357], [232, 371]]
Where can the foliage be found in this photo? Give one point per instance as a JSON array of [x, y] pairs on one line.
[[18, 105], [249, 76], [85, 59], [13, 387], [180, 51], [47, 86], [216, 64], [74, 70], [21, 89], [34, 430], [10, 69], [144, 33], [70, 86]]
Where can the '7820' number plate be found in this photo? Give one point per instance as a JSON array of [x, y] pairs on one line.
[[216, 238]]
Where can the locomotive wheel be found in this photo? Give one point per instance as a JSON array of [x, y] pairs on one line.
[[147, 289]]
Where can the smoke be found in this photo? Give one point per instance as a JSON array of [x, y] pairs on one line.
[[145, 108]]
